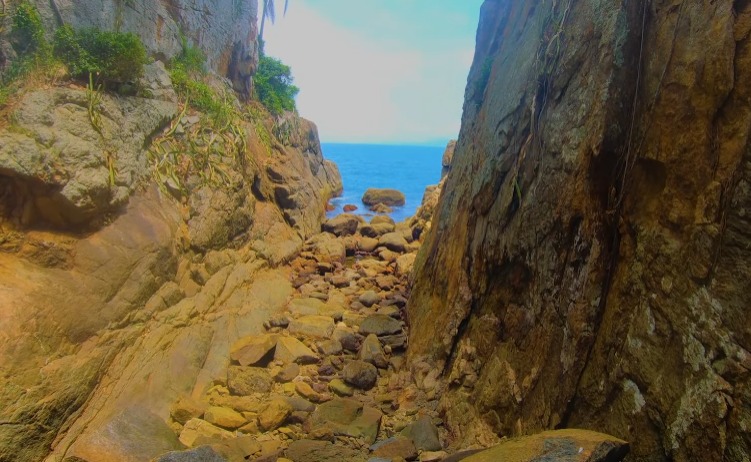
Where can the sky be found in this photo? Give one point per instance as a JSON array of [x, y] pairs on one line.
[[378, 71]]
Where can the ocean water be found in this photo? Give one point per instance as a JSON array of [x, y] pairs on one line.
[[406, 168]]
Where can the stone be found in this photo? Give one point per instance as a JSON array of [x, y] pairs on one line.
[[397, 446], [347, 417], [224, 417], [321, 451], [187, 408], [382, 220], [306, 306], [368, 244], [393, 241], [360, 374], [570, 444], [306, 391], [312, 326], [197, 428], [287, 373], [300, 404], [405, 263], [330, 347], [371, 352], [274, 414], [369, 298], [424, 434], [199, 454], [253, 349], [349, 208], [348, 339], [289, 350], [380, 325], [340, 388], [433, 456], [243, 381], [380, 208], [344, 224], [390, 197]]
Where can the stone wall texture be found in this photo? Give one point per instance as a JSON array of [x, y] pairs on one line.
[[588, 261]]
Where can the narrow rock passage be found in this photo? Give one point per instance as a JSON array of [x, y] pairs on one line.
[[328, 379]]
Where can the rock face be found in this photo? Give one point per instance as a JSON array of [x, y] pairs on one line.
[[587, 262], [225, 29], [448, 157]]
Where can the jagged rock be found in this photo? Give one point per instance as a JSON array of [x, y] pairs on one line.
[[274, 414], [371, 352], [381, 208], [574, 445], [199, 454], [187, 408], [344, 224], [369, 298], [388, 197], [328, 249], [197, 429], [395, 447], [224, 417], [321, 451], [253, 349], [290, 350], [380, 325], [360, 374], [424, 434], [243, 381], [405, 263], [448, 157], [393, 241], [312, 326], [286, 373]]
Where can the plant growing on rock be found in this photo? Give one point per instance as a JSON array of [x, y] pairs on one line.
[[273, 85]]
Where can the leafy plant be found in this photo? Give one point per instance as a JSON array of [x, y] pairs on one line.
[[114, 57], [273, 85], [28, 30]]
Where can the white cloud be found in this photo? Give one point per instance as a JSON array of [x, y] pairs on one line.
[[358, 90]]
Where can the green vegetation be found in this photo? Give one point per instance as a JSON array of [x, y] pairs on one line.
[[273, 85], [28, 30], [113, 57]]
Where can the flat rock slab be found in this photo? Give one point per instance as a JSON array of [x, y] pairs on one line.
[[424, 434], [197, 429], [380, 324], [289, 350], [397, 446], [321, 451], [253, 349], [312, 326], [568, 445], [347, 417], [200, 454]]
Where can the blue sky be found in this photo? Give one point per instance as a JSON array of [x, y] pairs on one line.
[[378, 71]]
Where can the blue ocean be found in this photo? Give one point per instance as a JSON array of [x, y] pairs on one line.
[[406, 168]]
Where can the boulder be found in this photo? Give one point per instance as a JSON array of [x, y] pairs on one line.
[[187, 408], [393, 241], [312, 326], [197, 429], [340, 388], [570, 445], [199, 454], [424, 434], [243, 381], [274, 414], [380, 325], [347, 417], [253, 349], [394, 447], [390, 197], [344, 224], [290, 350], [371, 352], [360, 374], [381, 208], [224, 417], [368, 244]]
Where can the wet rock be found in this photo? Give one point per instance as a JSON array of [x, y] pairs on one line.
[[371, 352], [274, 414], [390, 197], [344, 224], [289, 350], [187, 408], [395, 447], [243, 381], [340, 388], [569, 445], [381, 208], [312, 326], [380, 325], [369, 298], [360, 374], [424, 434], [197, 428], [199, 454], [349, 208], [253, 349], [224, 417]]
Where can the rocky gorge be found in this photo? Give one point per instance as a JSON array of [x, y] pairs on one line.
[[579, 272]]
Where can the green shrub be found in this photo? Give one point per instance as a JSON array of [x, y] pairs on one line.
[[114, 57], [273, 85], [28, 30]]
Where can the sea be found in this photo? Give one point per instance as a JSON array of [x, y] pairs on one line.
[[408, 169]]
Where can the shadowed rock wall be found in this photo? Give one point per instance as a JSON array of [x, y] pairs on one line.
[[587, 264]]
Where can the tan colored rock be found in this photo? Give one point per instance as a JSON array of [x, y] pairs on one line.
[[312, 326], [395, 447], [274, 414], [390, 197], [196, 429], [187, 408], [253, 349], [405, 263], [371, 352], [224, 417], [306, 391], [289, 350]]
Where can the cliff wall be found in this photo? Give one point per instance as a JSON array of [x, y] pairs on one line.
[[587, 265]]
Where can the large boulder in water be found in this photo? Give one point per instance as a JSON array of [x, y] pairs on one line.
[[388, 197]]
